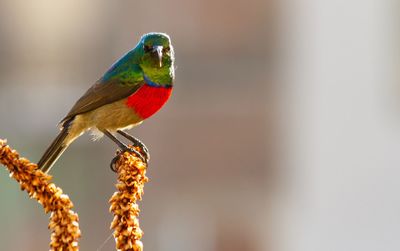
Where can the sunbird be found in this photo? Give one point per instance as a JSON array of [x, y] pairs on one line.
[[133, 89]]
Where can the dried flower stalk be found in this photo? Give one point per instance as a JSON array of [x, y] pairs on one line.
[[63, 221], [131, 179]]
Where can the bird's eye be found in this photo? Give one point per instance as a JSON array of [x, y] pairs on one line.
[[166, 49], [147, 48]]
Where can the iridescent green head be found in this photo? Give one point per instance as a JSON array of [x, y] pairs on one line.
[[157, 55], [153, 58]]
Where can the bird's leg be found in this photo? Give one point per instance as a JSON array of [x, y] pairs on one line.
[[136, 142], [123, 147]]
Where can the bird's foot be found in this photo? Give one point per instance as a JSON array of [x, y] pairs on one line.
[[136, 152], [136, 142], [143, 148], [130, 150], [113, 162]]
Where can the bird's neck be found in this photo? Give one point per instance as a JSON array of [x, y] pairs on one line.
[[159, 77], [151, 83]]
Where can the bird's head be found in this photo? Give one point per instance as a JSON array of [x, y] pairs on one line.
[[157, 52]]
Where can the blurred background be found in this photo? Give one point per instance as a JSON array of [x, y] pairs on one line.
[[282, 132]]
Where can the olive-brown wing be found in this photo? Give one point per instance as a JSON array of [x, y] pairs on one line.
[[101, 94]]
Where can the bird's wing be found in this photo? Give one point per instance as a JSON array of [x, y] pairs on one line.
[[100, 94]]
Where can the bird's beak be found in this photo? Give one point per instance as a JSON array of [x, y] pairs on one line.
[[159, 50]]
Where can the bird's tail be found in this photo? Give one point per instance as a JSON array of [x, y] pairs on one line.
[[55, 150]]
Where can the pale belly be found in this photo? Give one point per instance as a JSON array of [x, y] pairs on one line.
[[112, 117]]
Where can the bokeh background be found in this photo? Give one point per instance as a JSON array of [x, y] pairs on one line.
[[209, 168], [282, 132]]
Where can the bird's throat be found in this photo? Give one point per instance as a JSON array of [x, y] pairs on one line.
[[152, 83], [159, 76]]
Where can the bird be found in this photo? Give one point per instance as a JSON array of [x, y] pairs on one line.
[[134, 88]]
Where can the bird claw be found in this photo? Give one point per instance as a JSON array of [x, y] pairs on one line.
[[113, 162], [137, 153], [130, 150], [143, 148], [138, 143]]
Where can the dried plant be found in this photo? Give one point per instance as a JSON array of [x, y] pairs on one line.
[[131, 179], [63, 221]]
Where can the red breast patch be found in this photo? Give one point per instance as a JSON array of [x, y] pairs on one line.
[[147, 100]]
